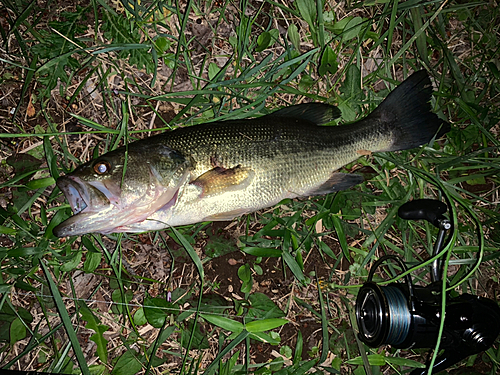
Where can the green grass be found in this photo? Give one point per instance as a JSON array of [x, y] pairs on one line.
[[82, 80]]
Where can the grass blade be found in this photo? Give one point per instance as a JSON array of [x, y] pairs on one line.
[[66, 321]]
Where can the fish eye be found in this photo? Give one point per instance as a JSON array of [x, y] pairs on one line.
[[102, 167]]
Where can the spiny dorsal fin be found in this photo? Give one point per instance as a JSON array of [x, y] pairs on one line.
[[317, 113]]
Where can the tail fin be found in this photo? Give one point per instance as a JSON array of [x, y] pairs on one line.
[[406, 113]]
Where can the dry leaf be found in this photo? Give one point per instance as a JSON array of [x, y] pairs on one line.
[[30, 111], [232, 261]]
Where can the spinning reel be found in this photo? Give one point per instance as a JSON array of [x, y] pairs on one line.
[[407, 316]]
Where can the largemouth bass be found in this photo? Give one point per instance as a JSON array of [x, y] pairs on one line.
[[225, 169]]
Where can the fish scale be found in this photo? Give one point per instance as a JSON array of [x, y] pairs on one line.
[[290, 159]]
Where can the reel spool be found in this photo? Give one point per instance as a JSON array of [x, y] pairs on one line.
[[406, 316], [383, 315], [400, 314]]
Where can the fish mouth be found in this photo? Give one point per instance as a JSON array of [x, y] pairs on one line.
[[75, 193], [86, 201], [83, 197]]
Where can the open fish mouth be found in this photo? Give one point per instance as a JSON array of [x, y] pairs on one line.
[[76, 193], [88, 203]]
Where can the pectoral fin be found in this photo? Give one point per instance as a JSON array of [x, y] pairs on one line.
[[221, 180], [336, 182]]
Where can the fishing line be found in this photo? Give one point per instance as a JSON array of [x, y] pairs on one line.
[[399, 313], [385, 312]]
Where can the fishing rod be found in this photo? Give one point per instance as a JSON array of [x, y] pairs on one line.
[[408, 316]]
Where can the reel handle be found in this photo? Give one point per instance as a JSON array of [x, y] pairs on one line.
[[431, 210], [423, 209]]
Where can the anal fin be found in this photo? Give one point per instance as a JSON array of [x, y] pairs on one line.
[[221, 180], [337, 182]]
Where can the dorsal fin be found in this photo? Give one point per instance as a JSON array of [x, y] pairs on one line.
[[317, 113]]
